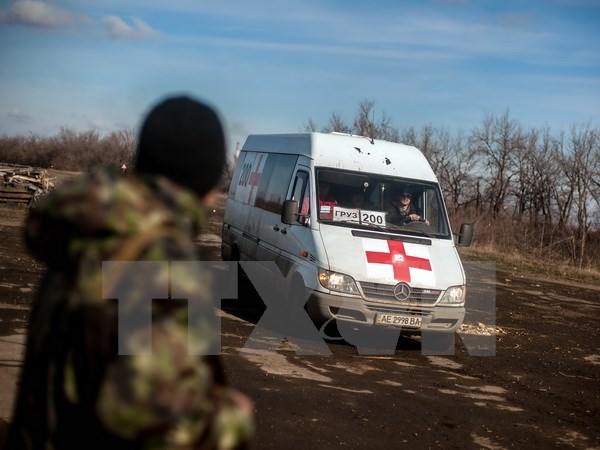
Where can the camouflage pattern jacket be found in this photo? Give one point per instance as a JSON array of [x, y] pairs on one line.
[[78, 389]]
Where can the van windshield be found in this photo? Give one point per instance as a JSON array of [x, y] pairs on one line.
[[383, 203]]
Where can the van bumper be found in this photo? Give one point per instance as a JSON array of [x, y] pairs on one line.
[[322, 307]]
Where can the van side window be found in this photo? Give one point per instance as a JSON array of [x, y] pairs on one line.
[[264, 181], [433, 210], [236, 177], [251, 172], [301, 193], [278, 180]]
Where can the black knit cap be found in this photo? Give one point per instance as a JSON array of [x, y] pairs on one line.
[[182, 139]]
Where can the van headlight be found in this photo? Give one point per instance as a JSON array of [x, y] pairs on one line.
[[337, 282], [454, 295]]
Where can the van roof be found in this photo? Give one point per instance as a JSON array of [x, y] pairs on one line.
[[349, 152]]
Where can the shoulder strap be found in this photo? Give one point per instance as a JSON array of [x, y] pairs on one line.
[[133, 247]]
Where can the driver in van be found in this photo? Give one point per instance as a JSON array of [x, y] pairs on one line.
[[403, 211]]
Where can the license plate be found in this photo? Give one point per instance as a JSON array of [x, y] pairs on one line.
[[398, 320]]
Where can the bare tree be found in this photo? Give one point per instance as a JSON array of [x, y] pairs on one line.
[[118, 148], [537, 183], [496, 142], [408, 136], [386, 130], [546, 174], [425, 142], [309, 127], [365, 123], [580, 170], [455, 170], [337, 124], [595, 171]]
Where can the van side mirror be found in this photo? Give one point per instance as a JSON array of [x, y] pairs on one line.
[[465, 237], [288, 213]]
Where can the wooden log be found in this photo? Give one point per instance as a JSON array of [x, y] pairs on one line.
[[15, 196], [24, 178], [24, 201]]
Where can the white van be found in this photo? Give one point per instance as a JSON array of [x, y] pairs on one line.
[[363, 258]]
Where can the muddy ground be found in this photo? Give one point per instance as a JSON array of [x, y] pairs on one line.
[[536, 384]]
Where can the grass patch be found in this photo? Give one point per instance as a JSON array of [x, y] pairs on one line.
[[531, 265]]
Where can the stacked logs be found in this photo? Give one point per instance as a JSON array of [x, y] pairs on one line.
[[22, 184]]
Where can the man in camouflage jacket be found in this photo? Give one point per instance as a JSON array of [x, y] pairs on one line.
[[77, 389]]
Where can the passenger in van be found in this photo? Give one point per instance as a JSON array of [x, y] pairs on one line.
[[325, 197], [403, 211], [326, 201], [356, 198]]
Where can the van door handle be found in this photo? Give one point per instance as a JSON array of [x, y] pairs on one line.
[[276, 227], [284, 230]]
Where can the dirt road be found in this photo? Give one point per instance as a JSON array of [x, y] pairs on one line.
[[538, 386]]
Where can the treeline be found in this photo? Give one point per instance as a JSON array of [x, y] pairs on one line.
[[76, 151], [535, 192], [69, 149], [532, 191]]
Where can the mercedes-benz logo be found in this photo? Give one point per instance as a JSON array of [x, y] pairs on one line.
[[402, 291]]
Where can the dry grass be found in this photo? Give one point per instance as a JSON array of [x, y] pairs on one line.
[[514, 261]]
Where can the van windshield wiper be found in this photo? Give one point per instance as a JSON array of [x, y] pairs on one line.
[[370, 225], [388, 228], [403, 229], [419, 232]]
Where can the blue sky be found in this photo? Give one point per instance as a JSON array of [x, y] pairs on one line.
[[270, 65]]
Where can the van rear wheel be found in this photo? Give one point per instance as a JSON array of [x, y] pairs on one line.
[[246, 291]]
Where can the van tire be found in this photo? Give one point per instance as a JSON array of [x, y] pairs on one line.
[[246, 291], [235, 253]]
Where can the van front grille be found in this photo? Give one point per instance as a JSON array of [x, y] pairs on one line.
[[384, 293], [416, 311]]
